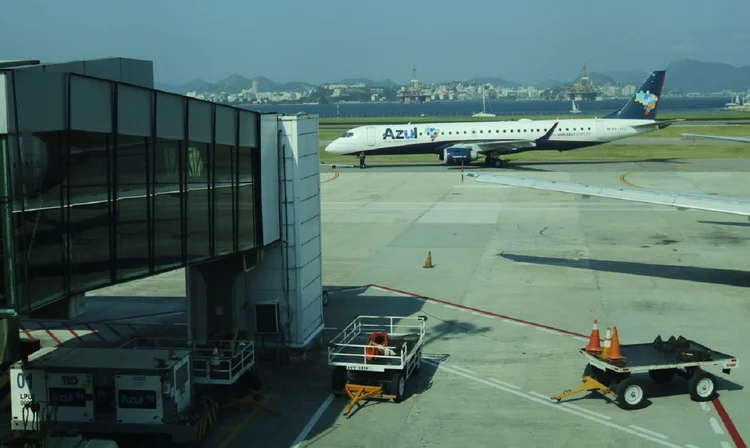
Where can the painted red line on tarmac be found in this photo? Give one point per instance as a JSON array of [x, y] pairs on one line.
[[51, 334], [94, 332], [73, 332], [489, 313], [114, 331], [28, 334], [728, 423]]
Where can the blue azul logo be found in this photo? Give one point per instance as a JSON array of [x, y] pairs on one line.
[[432, 132], [400, 134], [648, 100]]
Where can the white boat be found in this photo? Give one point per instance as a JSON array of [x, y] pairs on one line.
[[738, 105], [484, 112], [575, 109]]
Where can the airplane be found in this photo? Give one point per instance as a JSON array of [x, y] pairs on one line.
[[682, 201], [468, 141], [714, 137]]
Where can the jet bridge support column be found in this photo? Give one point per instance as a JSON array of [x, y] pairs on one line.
[[214, 305]]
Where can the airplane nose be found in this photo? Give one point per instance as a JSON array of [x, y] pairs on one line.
[[331, 148]]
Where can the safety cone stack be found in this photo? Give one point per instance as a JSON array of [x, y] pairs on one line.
[[594, 345], [428, 262], [607, 344], [614, 351]]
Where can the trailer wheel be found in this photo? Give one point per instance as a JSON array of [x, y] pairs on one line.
[[702, 386], [630, 395], [398, 386], [662, 376], [325, 298], [338, 380]]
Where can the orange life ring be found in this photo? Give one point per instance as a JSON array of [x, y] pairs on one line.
[[376, 339]]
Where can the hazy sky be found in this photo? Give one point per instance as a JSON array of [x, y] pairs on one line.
[[327, 40]]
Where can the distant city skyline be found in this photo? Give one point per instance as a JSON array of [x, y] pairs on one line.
[[332, 40]]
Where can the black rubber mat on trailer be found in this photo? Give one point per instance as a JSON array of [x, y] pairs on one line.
[[651, 354]]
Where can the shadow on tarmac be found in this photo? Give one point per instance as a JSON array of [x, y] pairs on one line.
[[729, 277]]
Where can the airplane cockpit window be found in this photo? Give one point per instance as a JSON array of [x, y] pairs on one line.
[[347, 134]]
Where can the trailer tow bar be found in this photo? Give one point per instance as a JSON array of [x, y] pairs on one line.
[[358, 393], [589, 384]]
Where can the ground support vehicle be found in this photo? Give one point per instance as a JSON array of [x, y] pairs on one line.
[[374, 356], [686, 359]]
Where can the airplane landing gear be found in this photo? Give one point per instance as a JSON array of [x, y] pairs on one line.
[[497, 163]]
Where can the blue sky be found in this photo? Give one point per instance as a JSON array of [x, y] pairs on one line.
[[328, 40]]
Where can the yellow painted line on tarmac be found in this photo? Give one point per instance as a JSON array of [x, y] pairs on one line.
[[336, 175], [685, 167], [626, 182], [234, 432]]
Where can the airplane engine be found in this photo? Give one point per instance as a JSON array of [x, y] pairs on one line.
[[454, 156]]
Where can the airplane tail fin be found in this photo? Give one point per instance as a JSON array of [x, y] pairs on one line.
[[644, 104]]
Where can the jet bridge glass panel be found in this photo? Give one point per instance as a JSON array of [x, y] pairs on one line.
[[108, 182]]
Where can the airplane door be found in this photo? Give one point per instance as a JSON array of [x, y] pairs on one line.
[[370, 136], [600, 129]]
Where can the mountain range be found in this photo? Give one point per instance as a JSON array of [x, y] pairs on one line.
[[685, 75]]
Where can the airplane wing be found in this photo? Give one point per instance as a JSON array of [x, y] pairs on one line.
[[714, 137], [711, 203], [505, 146]]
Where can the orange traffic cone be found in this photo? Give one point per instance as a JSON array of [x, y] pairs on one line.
[[614, 351], [428, 262], [594, 342], [607, 343]]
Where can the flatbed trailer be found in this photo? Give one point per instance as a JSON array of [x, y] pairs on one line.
[[686, 358], [374, 356]]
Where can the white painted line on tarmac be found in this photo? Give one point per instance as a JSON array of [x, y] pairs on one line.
[[587, 411], [552, 405], [451, 307], [726, 445], [580, 339], [504, 383], [313, 420], [542, 396], [465, 370], [547, 330], [570, 406], [483, 315], [648, 431], [705, 407], [715, 425], [691, 446], [521, 324]]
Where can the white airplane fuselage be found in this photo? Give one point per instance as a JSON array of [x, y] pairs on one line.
[[431, 138]]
